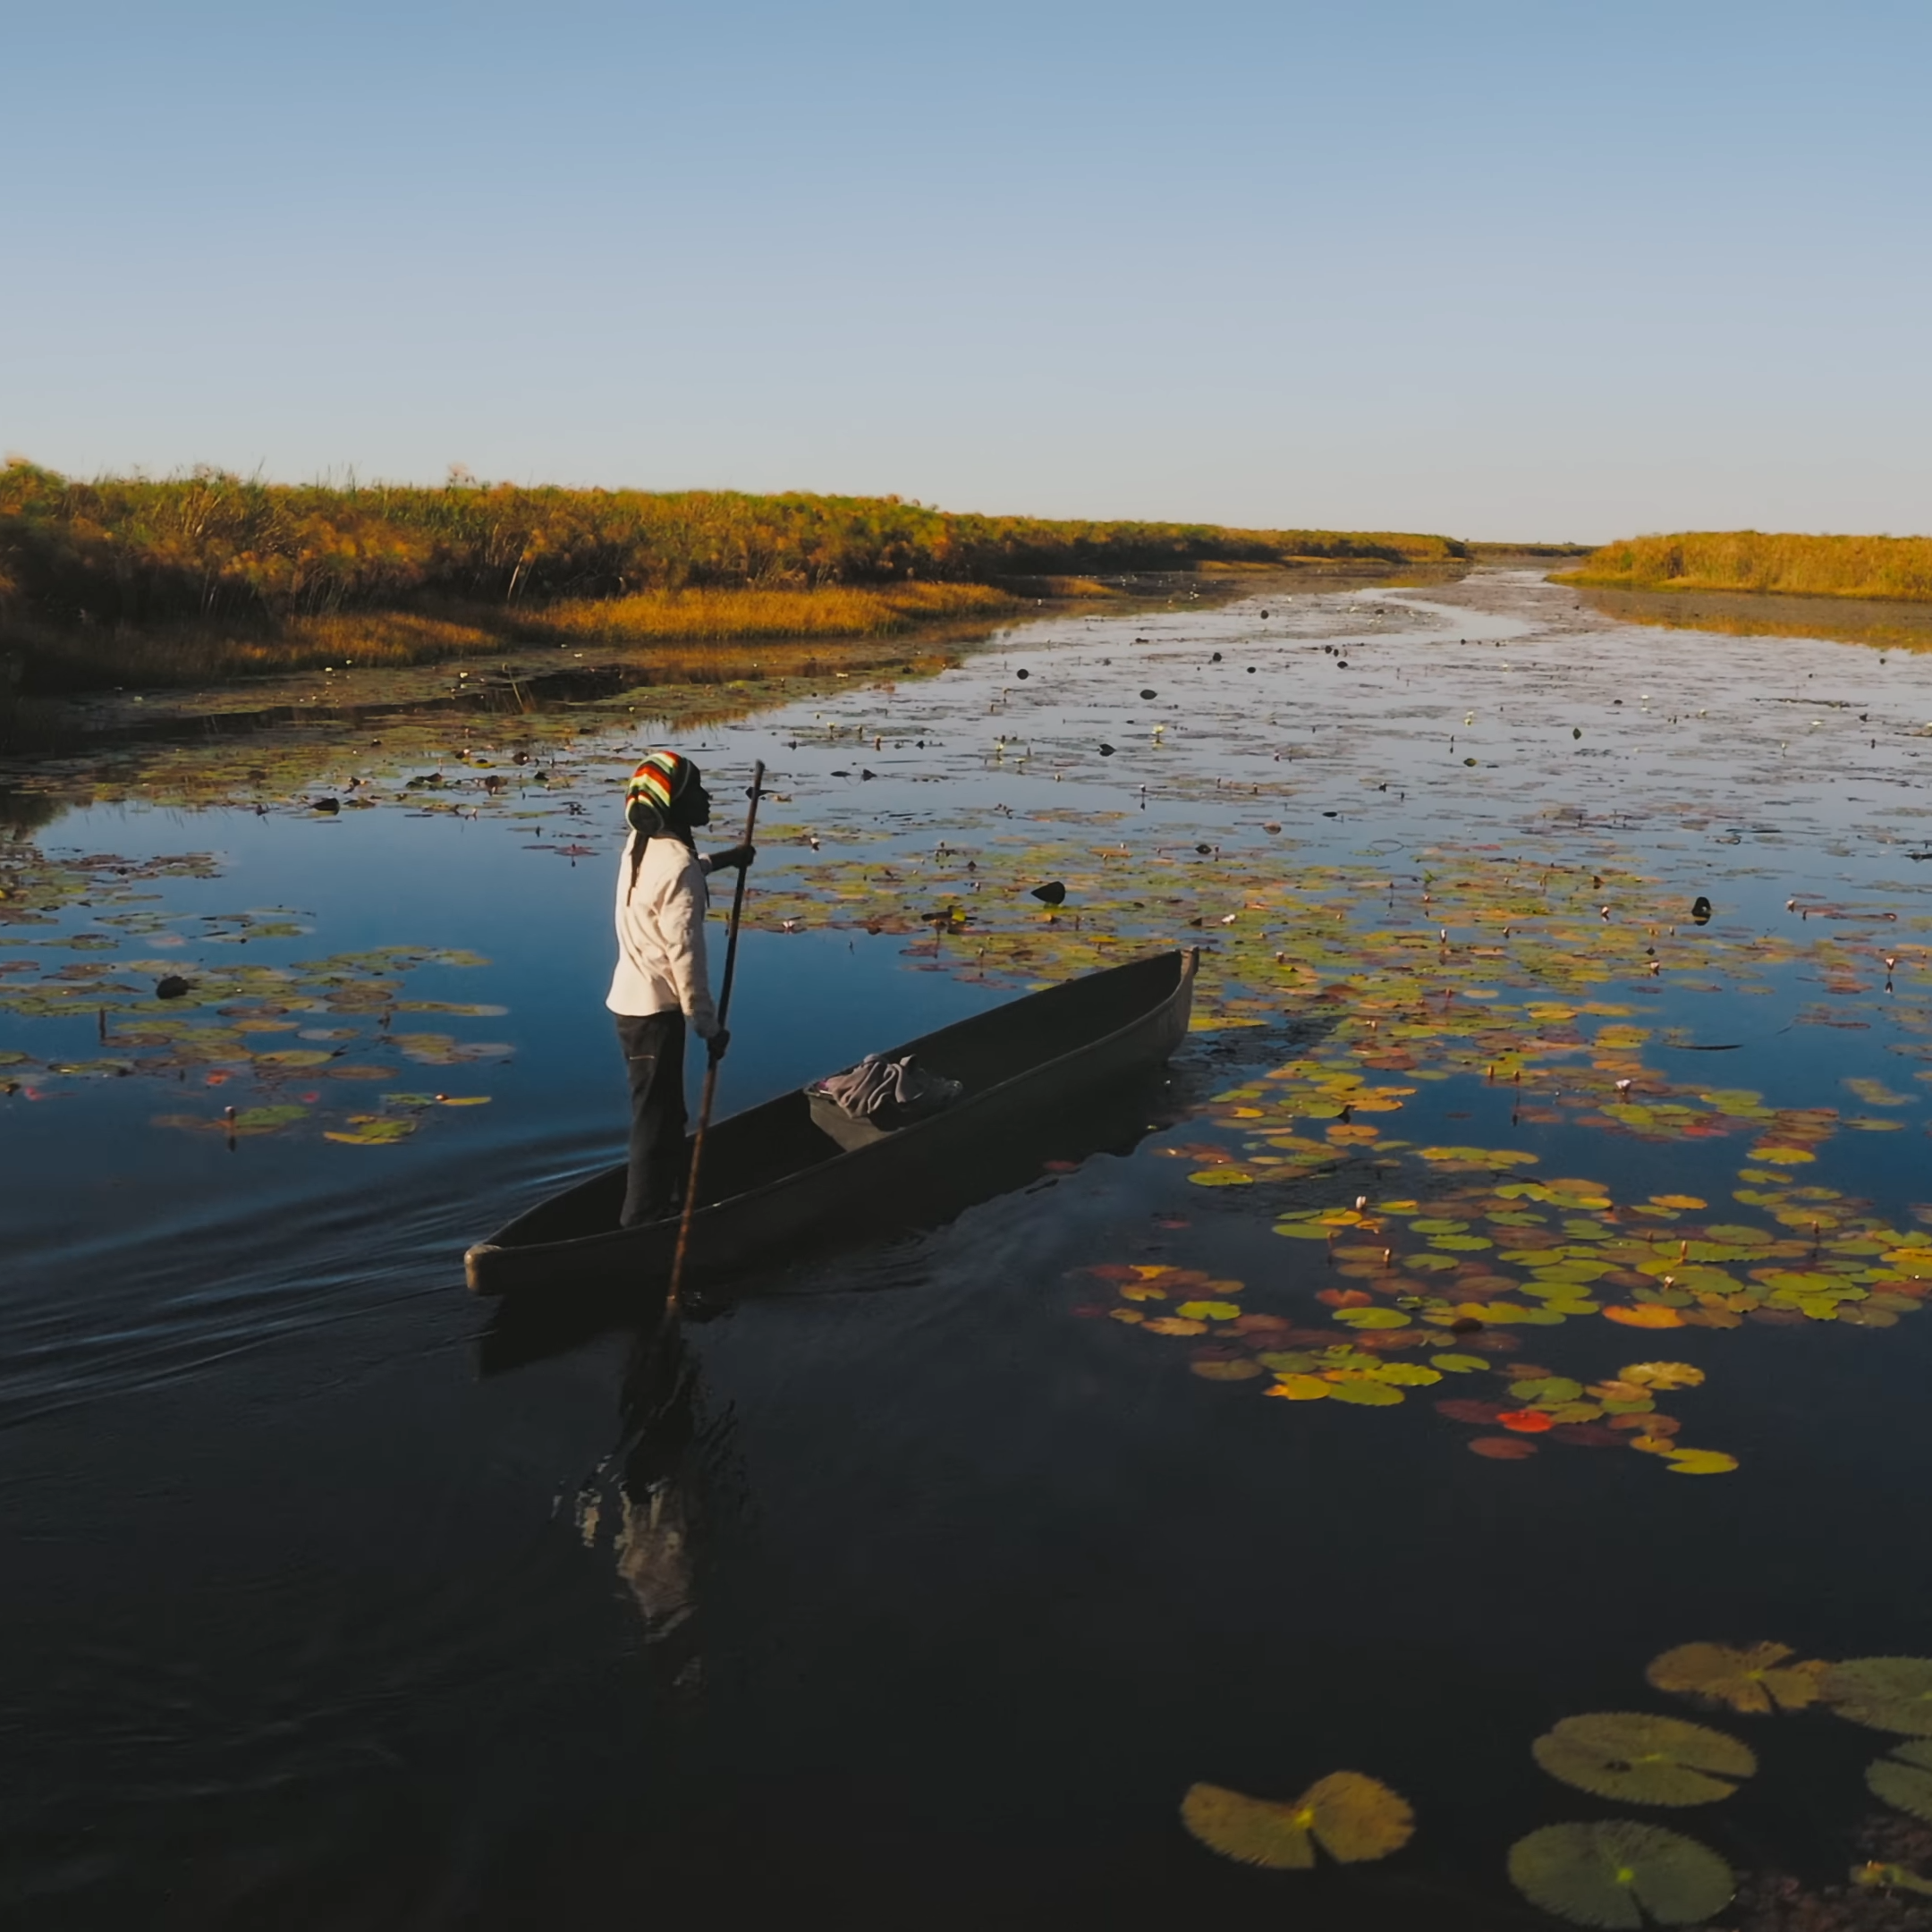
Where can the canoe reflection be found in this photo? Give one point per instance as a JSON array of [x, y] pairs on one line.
[[646, 1496]]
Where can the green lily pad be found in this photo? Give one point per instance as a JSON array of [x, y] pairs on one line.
[[1546, 1389], [1406, 1374], [1615, 1873], [1904, 1779], [1635, 1756], [381, 1131], [1889, 1693], [1373, 1395]]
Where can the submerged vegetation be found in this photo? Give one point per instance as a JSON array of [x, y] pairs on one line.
[[210, 575], [1895, 567]]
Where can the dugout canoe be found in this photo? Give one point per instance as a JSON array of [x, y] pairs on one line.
[[787, 1175]]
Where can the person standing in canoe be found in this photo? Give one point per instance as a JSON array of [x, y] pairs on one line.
[[662, 980]]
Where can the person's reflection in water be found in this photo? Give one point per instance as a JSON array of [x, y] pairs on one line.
[[656, 1495]]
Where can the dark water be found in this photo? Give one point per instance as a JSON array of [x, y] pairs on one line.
[[904, 1593]]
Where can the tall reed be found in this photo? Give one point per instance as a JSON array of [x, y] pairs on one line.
[[1897, 567], [209, 545]]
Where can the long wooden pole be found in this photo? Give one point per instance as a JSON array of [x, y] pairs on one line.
[[710, 1079]]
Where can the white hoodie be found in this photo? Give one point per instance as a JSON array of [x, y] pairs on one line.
[[661, 964]]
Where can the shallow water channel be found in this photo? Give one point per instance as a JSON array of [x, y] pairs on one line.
[[936, 1572]]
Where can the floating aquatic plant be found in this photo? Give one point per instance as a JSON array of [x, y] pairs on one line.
[[1365, 1371], [1351, 1816], [1753, 1681], [1638, 1757], [255, 1029], [1904, 1779], [1617, 1873], [1878, 1877], [1889, 1693]]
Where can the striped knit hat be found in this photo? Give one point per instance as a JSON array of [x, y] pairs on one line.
[[662, 778]]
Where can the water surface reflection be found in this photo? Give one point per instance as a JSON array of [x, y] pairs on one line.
[[914, 1587]]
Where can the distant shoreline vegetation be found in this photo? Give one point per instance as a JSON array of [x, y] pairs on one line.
[[1898, 569], [194, 578]]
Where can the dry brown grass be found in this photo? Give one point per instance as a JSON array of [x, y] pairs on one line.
[[208, 545], [1890, 567], [207, 576], [203, 653], [189, 653], [837, 610]]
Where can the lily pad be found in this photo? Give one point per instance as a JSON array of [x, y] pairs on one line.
[[1889, 1693], [1646, 1759], [1662, 1375], [1753, 1681], [1618, 1872], [1368, 1394], [1353, 1817], [1645, 1314], [1292, 1388], [1904, 1779], [1241, 1369], [1872, 1875], [1546, 1389], [1406, 1374], [382, 1131]]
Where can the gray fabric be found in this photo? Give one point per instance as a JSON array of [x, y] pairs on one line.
[[654, 1058], [888, 1093]]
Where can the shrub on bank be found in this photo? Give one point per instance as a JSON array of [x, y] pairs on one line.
[[209, 545], [1792, 565]]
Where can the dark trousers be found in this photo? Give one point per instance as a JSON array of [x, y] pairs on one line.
[[654, 1057]]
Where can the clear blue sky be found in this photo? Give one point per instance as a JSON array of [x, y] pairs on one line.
[[1504, 268]]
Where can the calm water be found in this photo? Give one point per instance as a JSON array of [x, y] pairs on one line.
[[918, 1589]]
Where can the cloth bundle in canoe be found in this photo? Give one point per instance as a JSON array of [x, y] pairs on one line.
[[887, 1094]]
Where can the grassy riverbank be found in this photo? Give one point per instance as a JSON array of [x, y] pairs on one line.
[[1752, 560], [56, 657], [206, 576]]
